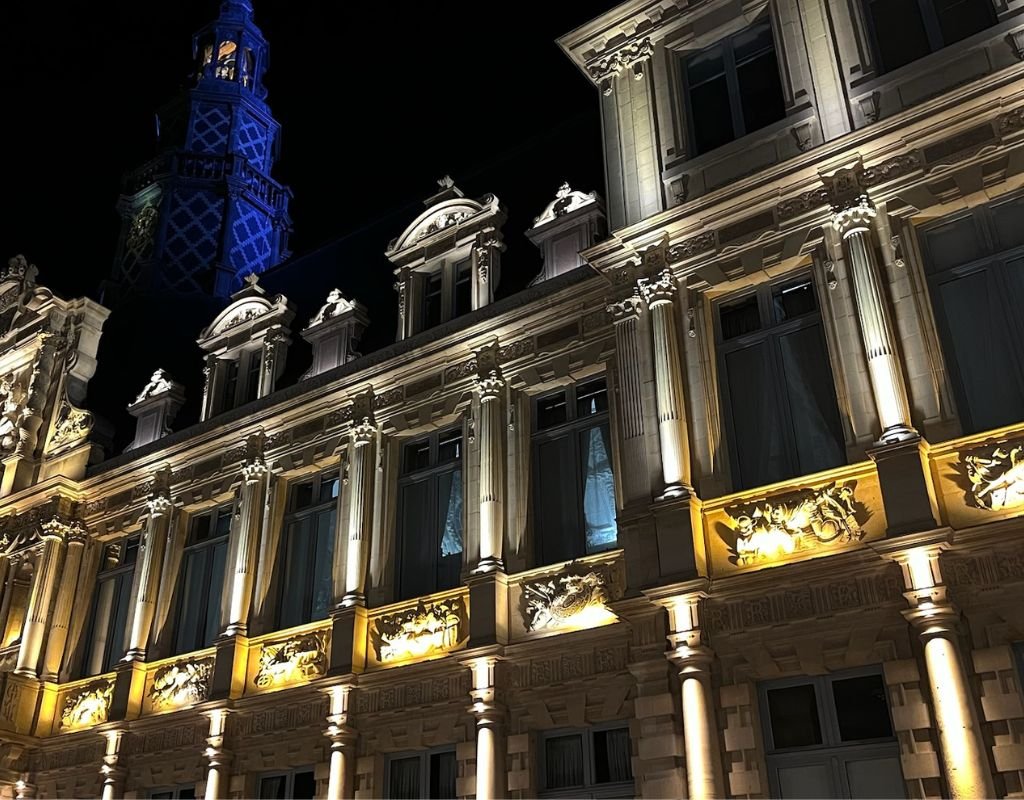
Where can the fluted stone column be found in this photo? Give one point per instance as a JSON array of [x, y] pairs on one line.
[[936, 619], [217, 758], [854, 223], [626, 319], [252, 502], [112, 772], [491, 430], [44, 584], [491, 772], [660, 293], [343, 738], [153, 546], [57, 640], [700, 730], [11, 565], [361, 474]]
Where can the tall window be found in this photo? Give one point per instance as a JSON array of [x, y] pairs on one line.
[[430, 514], [590, 763], [975, 266], [106, 636], [831, 736], [177, 793], [906, 30], [447, 292], [308, 551], [202, 580], [299, 784], [421, 775], [778, 391], [574, 491], [733, 88]]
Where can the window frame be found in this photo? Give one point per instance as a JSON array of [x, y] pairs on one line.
[[993, 258], [770, 332], [589, 788], [739, 124], [832, 751], [572, 428], [432, 474], [448, 270], [173, 791], [211, 543], [120, 574], [291, 519], [424, 758], [289, 776]]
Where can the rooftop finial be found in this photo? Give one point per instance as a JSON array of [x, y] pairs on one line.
[[445, 182]]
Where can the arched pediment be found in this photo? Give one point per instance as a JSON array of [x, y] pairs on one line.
[[238, 313], [445, 214]]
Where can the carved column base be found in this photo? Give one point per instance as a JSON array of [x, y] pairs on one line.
[[352, 599], [489, 565]]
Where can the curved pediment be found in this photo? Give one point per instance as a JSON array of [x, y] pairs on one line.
[[446, 214], [238, 313]]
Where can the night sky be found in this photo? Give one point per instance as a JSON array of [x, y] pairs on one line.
[[376, 101]]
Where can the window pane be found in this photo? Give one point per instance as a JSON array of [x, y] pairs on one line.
[[739, 317], [563, 761], [706, 66], [432, 301], [861, 708], [449, 447], [102, 618], [131, 550], [223, 527], [416, 455], [449, 559], [168, 795], [793, 300], [959, 19], [876, 778], [295, 579], [551, 410], [192, 594], [1007, 219], [711, 112], [556, 513], [323, 581], [983, 349], [302, 495], [756, 420], [188, 793], [273, 787], [416, 545], [811, 781], [303, 786], [329, 488], [218, 559], [404, 780], [591, 398], [899, 32], [463, 288], [760, 88], [598, 489], [793, 711], [612, 756], [200, 530], [953, 244], [442, 776], [123, 600], [817, 431]]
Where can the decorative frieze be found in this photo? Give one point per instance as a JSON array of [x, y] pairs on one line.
[[292, 660], [180, 684], [577, 601], [87, 706], [428, 628], [996, 477]]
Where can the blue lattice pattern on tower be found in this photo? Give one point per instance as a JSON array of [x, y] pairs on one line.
[[211, 125], [190, 246], [252, 142], [251, 250]]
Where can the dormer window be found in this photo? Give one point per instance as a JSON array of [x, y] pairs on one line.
[[448, 293]]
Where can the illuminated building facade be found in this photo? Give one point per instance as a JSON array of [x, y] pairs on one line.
[[727, 503]]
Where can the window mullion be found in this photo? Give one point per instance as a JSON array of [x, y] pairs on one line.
[[733, 84], [932, 29]]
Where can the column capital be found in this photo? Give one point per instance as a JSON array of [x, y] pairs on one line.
[[854, 215], [628, 308], [364, 424], [491, 385], [659, 288], [160, 503], [62, 529]]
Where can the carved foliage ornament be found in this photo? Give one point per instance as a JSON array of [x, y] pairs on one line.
[[429, 627], [13, 411], [73, 425], [181, 684], [300, 658], [809, 521], [90, 705], [996, 479], [567, 601]]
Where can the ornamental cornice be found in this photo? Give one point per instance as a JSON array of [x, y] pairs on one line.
[[631, 55]]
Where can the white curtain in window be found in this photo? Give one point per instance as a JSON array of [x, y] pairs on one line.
[[563, 762], [617, 752], [598, 490], [451, 538], [404, 781]]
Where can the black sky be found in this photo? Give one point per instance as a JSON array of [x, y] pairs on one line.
[[377, 100]]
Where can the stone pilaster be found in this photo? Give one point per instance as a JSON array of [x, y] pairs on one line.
[[361, 474], [659, 292], [44, 584], [854, 221], [56, 641], [490, 387], [275, 345], [252, 502], [343, 738], [628, 348], [152, 546]]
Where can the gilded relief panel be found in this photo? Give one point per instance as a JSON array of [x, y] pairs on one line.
[[418, 631], [288, 659]]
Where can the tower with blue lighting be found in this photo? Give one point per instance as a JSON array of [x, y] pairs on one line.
[[205, 211]]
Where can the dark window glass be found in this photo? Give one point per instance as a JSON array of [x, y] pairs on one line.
[[404, 779], [202, 580], [739, 317], [757, 421], [188, 793], [302, 496], [793, 300], [734, 88], [428, 775], [108, 621], [303, 786], [432, 295], [463, 288], [131, 550], [794, 716], [430, 515], [959, 19], [308, 551], [563, 761], [906, 30], [168, 795], [612, 756], [861, 708], [574, 488], [442, 775], [254, 362], [230, 382]]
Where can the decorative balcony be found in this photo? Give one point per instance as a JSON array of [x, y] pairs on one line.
[[418, 630], [288, 658], [79, 705], [178, 682]]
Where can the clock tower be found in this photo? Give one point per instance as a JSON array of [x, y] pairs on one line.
[[205, 212]]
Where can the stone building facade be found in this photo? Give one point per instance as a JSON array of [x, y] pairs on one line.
[[732, 509]]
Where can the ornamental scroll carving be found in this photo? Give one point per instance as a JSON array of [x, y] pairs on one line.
[[90, 705], [13, 411], [577, 600], [181, 684], [429, 627], [73, 425], [300, 658], [996, 479], [808, 521]]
